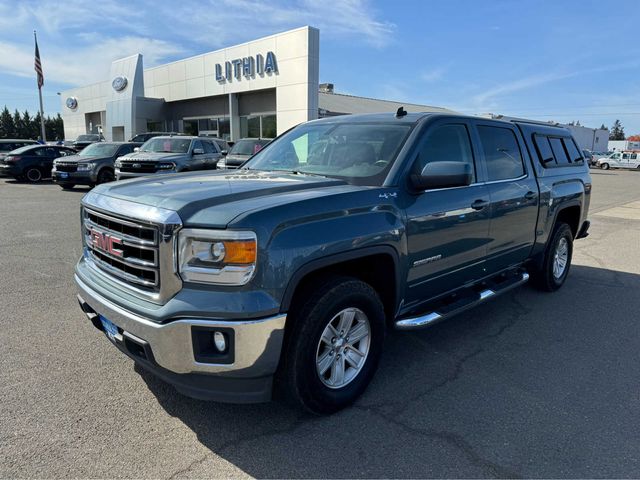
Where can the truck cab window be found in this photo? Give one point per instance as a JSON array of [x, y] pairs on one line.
[[501, 153], [446, 143]]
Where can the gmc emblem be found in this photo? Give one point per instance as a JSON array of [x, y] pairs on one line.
[[106, 243]]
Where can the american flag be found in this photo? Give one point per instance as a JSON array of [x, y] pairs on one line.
[[38, 67]]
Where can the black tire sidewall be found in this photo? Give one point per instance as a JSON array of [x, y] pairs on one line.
[[562, 230], [103, 173], [309, 389], [29, 169]]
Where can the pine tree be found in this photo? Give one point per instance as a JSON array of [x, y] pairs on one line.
[[25, 126], [17, 123], [602, 127], [617, 131], [7, 127]]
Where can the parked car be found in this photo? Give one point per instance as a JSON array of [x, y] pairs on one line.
[[33, 162], [143, 137], [294, 266], [9, 144], [92, 166], [83, 140], [161, 155], [630, 159], [588, 157], [241, 151]]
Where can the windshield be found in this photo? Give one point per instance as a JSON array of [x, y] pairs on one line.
[[361, 153], [246, 147], [166, 145], [88, 138], [100, 150]]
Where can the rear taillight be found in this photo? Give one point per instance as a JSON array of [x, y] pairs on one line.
[[12, 158]]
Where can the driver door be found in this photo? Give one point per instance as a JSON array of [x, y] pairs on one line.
[[447, 228]]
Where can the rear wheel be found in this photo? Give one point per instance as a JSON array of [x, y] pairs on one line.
[[33, 175], [333, 348], [557, 260], [105, 176], [604, 166], [67, 186]]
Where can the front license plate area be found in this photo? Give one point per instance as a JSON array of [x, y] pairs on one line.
[[109, 328], [63, 175]]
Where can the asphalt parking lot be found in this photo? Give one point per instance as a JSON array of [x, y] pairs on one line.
[[529, 385]]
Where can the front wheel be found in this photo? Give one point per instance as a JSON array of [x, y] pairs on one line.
[[604, 166], [33, 174], [105, 176], [557, 260], [333, 348], [67, 186]]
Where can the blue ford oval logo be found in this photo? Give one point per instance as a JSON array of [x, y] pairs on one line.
[[71, 103]]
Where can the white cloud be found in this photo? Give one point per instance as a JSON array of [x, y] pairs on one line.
[[434, 74], [81, 65]]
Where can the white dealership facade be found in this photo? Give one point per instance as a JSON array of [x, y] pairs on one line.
[[257, 89]]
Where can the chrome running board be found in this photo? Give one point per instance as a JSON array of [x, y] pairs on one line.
[[448, 311]]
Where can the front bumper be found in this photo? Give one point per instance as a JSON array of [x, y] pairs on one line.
[[167, 349], [79, 178], [10, 170]]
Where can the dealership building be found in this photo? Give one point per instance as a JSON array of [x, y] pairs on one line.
[[257, 89]]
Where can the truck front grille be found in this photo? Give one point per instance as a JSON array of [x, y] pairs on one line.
[[125, 249], [67, 167], [138, 167]]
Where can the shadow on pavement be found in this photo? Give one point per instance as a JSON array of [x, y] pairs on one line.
[[531, 384]]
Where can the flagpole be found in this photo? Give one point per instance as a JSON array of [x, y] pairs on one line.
[[42, 130]]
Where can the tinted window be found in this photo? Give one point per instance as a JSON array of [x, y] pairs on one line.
[[358, 152], [634, 156], [559, 151], [198, 144], [124, 149], [446, 143], [7, 147], [545, 154], [501, 153], [246, 147], [208, 147], [572, 150]]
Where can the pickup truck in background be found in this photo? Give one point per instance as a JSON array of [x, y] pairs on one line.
[[284, 276], [170, 154]]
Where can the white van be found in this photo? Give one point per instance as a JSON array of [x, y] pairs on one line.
[[630, 159]]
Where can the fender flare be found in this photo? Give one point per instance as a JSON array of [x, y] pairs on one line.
[[336, 259]]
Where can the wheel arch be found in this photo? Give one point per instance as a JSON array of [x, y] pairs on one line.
[[378, 266]]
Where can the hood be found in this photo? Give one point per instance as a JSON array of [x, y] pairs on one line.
[[80, 158], [224, 195], [152, 156], [236, 159]]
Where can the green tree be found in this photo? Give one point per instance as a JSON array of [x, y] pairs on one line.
[[617, 131], [7, 127], [602, 127], [17, 122]]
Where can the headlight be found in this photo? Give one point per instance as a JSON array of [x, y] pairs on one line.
[[222, 163], [86, 167], [118, 164], [218, 257], [166, 166]]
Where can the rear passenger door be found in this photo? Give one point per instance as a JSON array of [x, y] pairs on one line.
[[513, 193]]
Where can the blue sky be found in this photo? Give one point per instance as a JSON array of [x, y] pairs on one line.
[[557, 60]]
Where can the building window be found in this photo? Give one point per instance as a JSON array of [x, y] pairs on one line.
[[258, 126], [155, 126], [207, 127]]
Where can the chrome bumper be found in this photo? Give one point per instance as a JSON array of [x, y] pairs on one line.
[[257, 342]]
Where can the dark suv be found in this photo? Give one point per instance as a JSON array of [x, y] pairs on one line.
[[83, 140], [242, 151], [92, 166]]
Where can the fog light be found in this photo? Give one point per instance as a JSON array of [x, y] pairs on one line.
[[220, 341]]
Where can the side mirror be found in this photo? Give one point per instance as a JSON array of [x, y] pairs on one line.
[[136, 149], [444, 174], [198, 151], [224, 153]]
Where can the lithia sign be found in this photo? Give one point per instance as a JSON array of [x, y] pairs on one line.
[[247, 67]]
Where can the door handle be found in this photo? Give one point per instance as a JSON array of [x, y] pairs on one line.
[[479, 204], [530, 195]]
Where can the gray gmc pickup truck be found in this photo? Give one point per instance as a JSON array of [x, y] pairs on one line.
[[284, 276]]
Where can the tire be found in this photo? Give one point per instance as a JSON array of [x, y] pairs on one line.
[[33, 175], [604, 166], [67, 186], [105, 176], [551, 276], [305, 353]]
